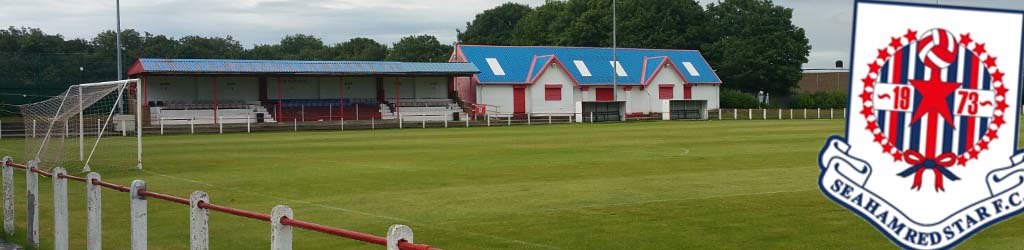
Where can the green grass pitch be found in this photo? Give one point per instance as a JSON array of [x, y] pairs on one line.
[[649, 185]]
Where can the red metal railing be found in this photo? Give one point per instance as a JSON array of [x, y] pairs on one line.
[[369, 238]]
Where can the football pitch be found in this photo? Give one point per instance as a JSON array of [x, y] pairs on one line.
[[642, 185]]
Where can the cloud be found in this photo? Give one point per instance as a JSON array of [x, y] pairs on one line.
[[827, 22]]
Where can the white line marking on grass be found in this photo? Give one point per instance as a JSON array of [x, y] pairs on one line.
[[679, 199], [353, 211]]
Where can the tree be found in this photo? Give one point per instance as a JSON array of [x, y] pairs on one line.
[[303, 47], [494, 26], [755, 45], [197, 47], [420, 48], [641, 24], [360, 49]]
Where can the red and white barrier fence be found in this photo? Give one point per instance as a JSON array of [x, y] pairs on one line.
[[282, 218]]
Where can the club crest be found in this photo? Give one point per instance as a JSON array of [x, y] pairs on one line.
[[930, 156]]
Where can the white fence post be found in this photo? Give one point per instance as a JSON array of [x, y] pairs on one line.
[[8, 183], [1, 129], [248, 124], [750, 114], [280, 234], [199, 230], [399, 122], [94, 206], [831, 113], [467, 121], [791, 114], [398, 233], [32, 188], [60, 209], [161, 126], [423, 123], [139, 220], [192, 125], [343, 124], [528, 122], [373, 123], [805, 113], [764, 114], [220, 124], [780, 114], [735, 115], [719, 114], [549, 118], [510, 120], [844, 113]]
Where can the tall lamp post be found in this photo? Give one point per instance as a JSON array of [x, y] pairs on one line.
[[120, 72]]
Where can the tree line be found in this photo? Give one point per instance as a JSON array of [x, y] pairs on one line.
[[752, 44]]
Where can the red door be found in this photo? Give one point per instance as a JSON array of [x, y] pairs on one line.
[[519, 100]]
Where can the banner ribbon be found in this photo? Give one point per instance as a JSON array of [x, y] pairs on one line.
[[938, 166]]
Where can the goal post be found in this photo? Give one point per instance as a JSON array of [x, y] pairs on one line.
[[72, 113]]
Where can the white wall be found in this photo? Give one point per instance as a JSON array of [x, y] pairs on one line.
[[171, 89], [709, 92], [497, 95], [535, 101], [417, 87], [238, 89]]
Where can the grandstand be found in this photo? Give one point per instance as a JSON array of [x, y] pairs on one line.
[[209, 91]]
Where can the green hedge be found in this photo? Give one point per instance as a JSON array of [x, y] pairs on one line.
[[820, 100], [737, 100]]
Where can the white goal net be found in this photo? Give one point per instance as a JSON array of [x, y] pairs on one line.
[[89, 125]]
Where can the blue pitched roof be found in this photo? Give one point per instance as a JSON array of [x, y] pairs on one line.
[[516, 62], [233, 66]]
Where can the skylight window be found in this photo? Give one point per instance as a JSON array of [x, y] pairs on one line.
[[495, 66], [584, 71], [690, 69], [618, 68]]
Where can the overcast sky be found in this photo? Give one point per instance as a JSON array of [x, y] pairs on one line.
[[266, 21]]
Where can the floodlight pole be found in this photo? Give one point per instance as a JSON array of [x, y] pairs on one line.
[[615, 58], [120, 75]]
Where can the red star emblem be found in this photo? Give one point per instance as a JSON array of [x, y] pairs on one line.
[[897, 156], [911, 35], [866, 96], [983, 144], [895, 42], [998, 76], [866, 111], [868, 81], [962, 160], [883, 53], [992, 134], [1001, 106], [980, 48], [965, 39], [933, 99], [872, 126], [1001, 90], [886, 147], [998, 121], [879, 138], [990, 62], [973, 153], [874, 67]]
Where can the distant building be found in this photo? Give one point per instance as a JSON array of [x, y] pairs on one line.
[[577, 81], [824, 80]]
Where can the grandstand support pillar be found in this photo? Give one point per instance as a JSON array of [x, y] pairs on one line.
[[398, 101], [280, 234], [94, 206], [215, 107], [280, 103], [32, 188], [199, 230], [398, 233], [8, 183], [60, 209], [341, 100], [138, 213]]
